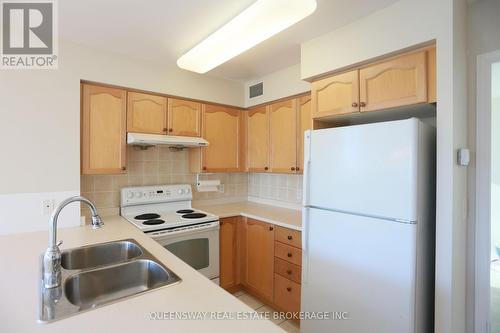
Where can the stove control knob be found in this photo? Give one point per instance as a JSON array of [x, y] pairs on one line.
[[187, 191], [180, 191], [138, 194], [130, 195]]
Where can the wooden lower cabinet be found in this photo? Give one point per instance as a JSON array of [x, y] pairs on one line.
[[286, 294], [229, 252], [254, 258], [259, 258]]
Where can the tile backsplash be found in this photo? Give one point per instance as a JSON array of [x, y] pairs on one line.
[[279, 187], [156, 165], [160, 165]]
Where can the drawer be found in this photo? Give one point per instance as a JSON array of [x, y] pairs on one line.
[[288, 253], [288, 236], [286, 294], [288, 270]]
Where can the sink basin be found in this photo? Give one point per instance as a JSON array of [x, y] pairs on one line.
[[96, 275], [99, 286], [99, 255]]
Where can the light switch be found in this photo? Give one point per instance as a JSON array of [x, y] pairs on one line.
[[463, 157]]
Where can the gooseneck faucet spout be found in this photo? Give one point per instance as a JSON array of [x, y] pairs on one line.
[[52, 257]]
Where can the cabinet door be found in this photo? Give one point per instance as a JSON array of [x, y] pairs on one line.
[[258, 139], [146, 113], [431, 75], [259, 258], [228, 248], [222, 129], [184, 117], [304, 123], [338, 94], [283, 136], [104, 118], [393, 83]]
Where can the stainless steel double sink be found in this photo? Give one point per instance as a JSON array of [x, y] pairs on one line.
[[99, 274]]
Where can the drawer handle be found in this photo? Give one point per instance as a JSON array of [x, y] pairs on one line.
[[289, 255], [289, 272], [289, 237], [288, 288]]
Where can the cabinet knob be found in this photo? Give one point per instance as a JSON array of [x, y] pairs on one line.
[[124, 168], [289, 237], [297, 168], [271, 228], [165, 129], [170, 129], [292, 168], [289, 255], [289, 272], [204, 168], [266, 168], [289, 289], [362, 104], [354, 105]]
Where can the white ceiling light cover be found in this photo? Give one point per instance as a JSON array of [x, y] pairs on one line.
[[260, 21]]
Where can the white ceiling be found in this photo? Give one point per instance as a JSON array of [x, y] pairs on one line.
[[160, 31]]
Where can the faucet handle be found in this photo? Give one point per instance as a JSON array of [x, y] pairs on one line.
[[59, 243]]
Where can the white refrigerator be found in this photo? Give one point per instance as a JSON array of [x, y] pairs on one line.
[[369, 228]]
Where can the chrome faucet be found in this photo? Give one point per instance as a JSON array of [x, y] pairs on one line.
[[52, 257]]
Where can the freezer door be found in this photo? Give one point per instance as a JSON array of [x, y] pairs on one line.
[[367, 169], [362, 267]]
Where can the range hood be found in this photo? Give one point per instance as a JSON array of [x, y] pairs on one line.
[[141, 139]]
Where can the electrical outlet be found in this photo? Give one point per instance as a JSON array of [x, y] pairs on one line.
[[47, 206]]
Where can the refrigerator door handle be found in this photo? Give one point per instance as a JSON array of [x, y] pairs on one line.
[[307, 167], [305, 244]]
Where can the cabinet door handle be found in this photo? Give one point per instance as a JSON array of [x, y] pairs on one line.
[[289, 272], [289, 237], [124, 168], [266, 168], [288, 289], [362, 104], [354, 105], [204, 168], [170, 129], [165, 129], [289, 255], [292, 168], [271, 228], [297, 168]]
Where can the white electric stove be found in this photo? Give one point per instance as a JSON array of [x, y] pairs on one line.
[[164, 212]]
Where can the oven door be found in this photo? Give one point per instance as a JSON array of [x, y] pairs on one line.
[[198, 247]]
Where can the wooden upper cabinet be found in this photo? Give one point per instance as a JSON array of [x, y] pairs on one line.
[[283, 136], [259, 257], [431, 75], [304, 123], [228, 249], [222, 127], [397, 82], [146, 113], [104, 120], [184, 117], [258, 139], [338, 94]]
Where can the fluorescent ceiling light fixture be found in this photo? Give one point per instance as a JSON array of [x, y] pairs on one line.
[[260, 21]]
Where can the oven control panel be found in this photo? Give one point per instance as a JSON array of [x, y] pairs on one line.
[[137, 195]]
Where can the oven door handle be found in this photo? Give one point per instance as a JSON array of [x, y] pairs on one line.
[[204, 228]]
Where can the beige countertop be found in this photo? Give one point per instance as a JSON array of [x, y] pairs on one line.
[[20, 274], [285, 217]]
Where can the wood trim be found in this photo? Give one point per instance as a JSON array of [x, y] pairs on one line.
[[300, 95], [431, 76], [149, 92]]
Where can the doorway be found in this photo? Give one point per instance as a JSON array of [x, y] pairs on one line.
[[487, 239]]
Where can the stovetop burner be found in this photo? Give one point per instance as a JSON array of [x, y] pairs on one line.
[[185, 211], [153, 222], [194, 216], [149, 216]]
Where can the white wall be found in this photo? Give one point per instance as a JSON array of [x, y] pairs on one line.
[[283, 83], [483, 27], [404, 24], [40, 124]]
